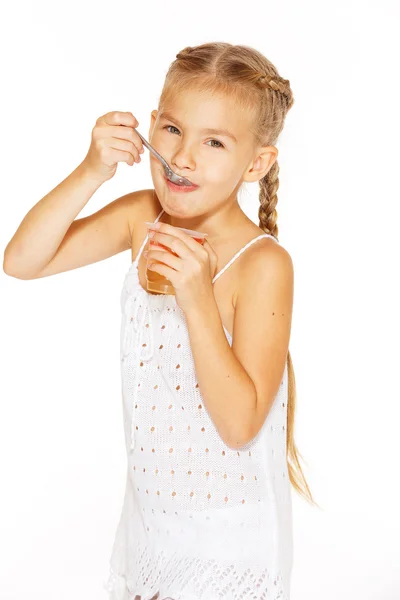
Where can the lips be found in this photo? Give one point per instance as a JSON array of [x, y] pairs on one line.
[[193, 184], [186, 187]]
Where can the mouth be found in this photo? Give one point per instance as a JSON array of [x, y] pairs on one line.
[[180, 188]]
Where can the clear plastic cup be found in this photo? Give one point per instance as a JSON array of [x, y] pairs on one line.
[[155, 281]]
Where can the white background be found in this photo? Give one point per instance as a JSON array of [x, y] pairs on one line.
[[61, 439]]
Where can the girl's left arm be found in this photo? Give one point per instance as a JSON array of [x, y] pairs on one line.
[[229, 393], [239, 384]]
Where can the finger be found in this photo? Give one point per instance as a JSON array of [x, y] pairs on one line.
[[212, 258], [125, 146], [126, 133], [160, 248], [174, 243], [164, 257], [119, 117], [163, 270], [174, 231], [211, 252]]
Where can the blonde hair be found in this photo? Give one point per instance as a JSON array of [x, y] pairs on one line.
[[252, 81]]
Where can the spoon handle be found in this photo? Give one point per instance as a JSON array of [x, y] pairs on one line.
[[168, 171], [152, 150]]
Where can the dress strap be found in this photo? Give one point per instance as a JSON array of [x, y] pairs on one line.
[[263, 235], [144, 241]]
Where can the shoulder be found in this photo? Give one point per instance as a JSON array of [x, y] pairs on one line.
[[264, 264]]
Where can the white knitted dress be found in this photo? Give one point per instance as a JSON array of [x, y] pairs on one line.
[[199, 521]]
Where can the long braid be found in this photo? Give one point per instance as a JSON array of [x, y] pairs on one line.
[[269, 184], [267, 213]]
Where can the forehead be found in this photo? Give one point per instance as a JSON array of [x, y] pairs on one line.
[[197, 109]]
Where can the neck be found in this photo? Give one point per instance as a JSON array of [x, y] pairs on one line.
[[219, 226]]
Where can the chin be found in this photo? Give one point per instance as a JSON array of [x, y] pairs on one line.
[[177, 209], [177, 205]]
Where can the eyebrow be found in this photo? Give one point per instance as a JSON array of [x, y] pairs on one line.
[[224, 132]]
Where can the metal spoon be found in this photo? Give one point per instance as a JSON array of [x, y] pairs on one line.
[[177, 179]]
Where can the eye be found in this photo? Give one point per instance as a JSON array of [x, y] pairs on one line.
[[166, 127], [217, 141]]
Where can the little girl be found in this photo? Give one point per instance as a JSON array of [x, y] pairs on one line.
[[207, 381]]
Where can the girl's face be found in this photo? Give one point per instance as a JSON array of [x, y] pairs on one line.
[[214, 160]]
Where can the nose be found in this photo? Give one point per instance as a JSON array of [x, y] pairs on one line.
[[183, 158]]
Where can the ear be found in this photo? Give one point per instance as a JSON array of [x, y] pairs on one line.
[[259, 167], [153, 116]]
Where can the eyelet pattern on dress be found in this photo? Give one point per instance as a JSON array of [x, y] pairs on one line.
[[196, 512]]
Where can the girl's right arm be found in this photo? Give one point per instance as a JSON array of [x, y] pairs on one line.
[[50, 239]]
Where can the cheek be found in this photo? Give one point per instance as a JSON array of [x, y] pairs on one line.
[[222, 175], [158, 142], [155, 170]]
